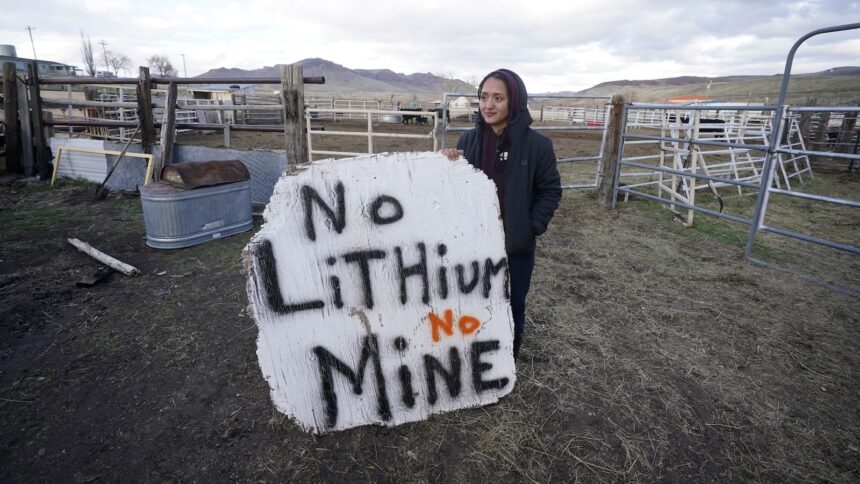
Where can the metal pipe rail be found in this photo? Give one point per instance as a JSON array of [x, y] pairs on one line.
[[369, 134], [771, 148], [819, 198], [112, 123], [696, 141], [769, 168], [704, 107], [809, 238], [568, 128], [684, 173], [447, 128], [733, 218], [823, 154], [824, 109], [577, 158], [81, 103], [174, 80]]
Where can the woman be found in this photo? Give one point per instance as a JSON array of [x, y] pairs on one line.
[[521, 162]]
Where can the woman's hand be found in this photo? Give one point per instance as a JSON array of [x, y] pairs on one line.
[[453, 154]]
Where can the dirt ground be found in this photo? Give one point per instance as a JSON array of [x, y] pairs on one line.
[[653, 352]]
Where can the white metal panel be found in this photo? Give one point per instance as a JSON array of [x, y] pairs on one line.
[[89, 166]]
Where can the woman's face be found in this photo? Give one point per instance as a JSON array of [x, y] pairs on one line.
[[494, 104]]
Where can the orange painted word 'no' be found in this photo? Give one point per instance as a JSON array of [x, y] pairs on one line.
[[467, 324]]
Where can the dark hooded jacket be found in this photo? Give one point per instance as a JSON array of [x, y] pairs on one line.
[[532, 186]]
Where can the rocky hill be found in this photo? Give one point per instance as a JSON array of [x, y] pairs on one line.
[[345, 81], [832, 86]]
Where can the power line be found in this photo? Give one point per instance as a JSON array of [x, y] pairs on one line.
[[104, 49], [30, 31]]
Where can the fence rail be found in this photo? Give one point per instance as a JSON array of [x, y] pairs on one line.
[[370, 134], [779, 134]]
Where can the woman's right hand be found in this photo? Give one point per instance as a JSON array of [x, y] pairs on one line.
[[453, 154]]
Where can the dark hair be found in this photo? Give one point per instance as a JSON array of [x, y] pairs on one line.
[[495, 75]]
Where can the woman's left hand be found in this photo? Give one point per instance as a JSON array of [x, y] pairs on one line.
[[453, 154]]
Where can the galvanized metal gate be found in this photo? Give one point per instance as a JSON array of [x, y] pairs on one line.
[[687, 140], [590, 122]]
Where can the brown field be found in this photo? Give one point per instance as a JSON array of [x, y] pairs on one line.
[[653, 352]]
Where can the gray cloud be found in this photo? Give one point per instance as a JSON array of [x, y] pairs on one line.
[[555, 45]]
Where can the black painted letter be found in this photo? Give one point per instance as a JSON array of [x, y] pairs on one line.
[[390, 219], [269, 273], [461, 283], [479, 367], [491, 270], [338, 220], [327, 361], [362, 257], [419, 269], [452, 378]]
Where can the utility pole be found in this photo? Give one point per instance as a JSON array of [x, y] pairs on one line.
[[184, 69], [30, 31], [104, 49]]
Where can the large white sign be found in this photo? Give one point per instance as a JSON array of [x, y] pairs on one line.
[[380, 288]]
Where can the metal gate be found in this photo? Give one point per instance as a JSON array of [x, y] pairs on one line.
[[578, 121], [688, 141]]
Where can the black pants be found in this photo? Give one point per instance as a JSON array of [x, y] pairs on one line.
[[520, 268]]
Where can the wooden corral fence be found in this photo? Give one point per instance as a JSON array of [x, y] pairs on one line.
[[370, 115], [564, 118], [158, 113]]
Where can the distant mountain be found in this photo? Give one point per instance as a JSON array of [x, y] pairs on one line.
[[686, 80], [345, 80], [674, 81], [837, 85], [840, 71]]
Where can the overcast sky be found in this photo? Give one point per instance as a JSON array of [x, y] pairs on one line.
[[554, 45]]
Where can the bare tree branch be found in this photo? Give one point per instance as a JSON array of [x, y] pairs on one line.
[[118, 61], [161, 64], [87, 55]]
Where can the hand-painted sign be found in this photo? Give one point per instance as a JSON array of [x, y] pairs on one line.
[[379, 285]]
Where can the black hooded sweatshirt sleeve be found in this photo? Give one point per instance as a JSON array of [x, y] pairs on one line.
[[532, 183]]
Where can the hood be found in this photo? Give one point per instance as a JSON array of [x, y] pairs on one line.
[[518, 116]]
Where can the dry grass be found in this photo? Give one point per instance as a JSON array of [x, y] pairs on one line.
[[652, 352]]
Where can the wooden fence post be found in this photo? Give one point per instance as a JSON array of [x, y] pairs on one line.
[[10, 109], [168, 129], [25, 130], [42, 166], [144, 113], [49, 131], [608, 164], [292, 91]]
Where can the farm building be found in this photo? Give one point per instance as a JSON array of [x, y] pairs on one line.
[[689, 98], [46, 68]]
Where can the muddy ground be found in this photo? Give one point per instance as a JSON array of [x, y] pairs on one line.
[[654, 352]]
